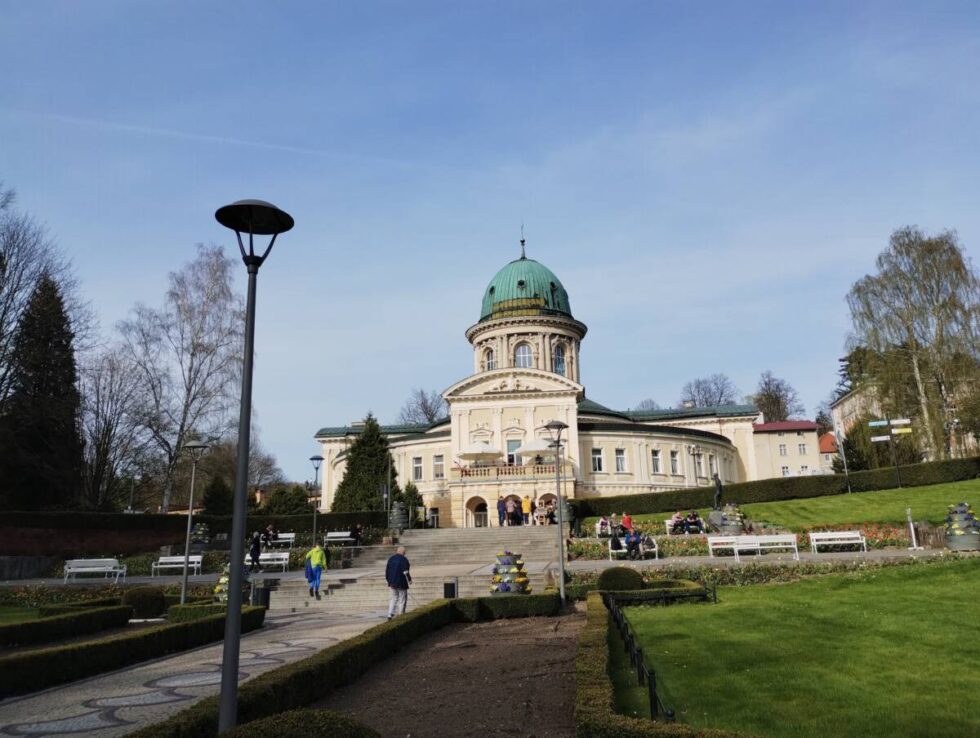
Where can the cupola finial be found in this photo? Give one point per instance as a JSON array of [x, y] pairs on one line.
[[523, 255]]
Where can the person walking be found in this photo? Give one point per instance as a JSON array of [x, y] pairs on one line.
[[254, 550], [526, 510], [316, 564], [398, 579], [511, 509], [501, 511]]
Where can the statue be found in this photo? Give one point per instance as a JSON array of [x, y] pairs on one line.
[[718, 491]]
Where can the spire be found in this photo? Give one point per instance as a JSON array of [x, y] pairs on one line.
[[523, 255]]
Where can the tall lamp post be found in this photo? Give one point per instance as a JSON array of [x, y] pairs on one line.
[[196, 449], [256, 218], [555, 428], [316, 461]]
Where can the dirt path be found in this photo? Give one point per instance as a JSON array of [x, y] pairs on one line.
[[499, 678]]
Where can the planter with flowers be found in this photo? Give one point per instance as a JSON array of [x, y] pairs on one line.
[[962, 528], [509, 576]]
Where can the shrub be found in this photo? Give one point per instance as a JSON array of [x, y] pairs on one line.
[[471, 610], [58, 627], [33, 670], [194, 611], [782, 488], [620, 578], [46, 611], [147, 602], [304, 724]]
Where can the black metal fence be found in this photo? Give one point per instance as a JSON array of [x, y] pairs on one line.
[[646, 674]]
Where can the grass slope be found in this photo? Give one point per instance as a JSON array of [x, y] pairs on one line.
[[884, 653], [887, 506], [12, 614]]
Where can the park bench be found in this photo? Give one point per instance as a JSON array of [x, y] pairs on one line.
[[271, 559], [194, 564], [837, 538], [338, 537], [753, 544], [283, 539], [644, 550], [106, 567], [669, 529]]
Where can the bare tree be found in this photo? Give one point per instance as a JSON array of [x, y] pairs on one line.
[[114, 440], [924, 306], [187, 358], [648, 404], [423, 407], [776, 398], [711, 391]]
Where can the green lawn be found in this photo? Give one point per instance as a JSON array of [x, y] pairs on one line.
[[888, 506], [884, 653], [11, 614]]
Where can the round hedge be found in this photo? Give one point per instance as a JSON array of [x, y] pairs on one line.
[[619, 579], [147, 602], [304, 724]]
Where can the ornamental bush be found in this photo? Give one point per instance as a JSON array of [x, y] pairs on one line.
[[147, 602], [194, 611], [304, 724], [620, 578], [61, 626]]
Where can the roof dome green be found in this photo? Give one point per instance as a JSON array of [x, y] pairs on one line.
[[524, 287]]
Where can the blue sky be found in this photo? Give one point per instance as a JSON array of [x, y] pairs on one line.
[[707, 179]]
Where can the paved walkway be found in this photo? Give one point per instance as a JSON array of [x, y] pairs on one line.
[[119, 702]]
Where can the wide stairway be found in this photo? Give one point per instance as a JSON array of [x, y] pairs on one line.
[[463, 556]]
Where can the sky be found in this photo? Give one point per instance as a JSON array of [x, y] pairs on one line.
[[707, 179]]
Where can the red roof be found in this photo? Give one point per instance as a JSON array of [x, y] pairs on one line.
[[828, 443], [785, 425]]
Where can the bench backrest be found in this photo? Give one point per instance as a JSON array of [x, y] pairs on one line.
[[836, 535], [91, 563], [180, 559], [286, 537], [776, 538], [274, 556], [337, 534], [725, 541]]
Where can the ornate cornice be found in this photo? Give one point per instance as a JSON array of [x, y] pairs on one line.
[[540, 322]]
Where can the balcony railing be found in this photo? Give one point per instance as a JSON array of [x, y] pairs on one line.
[[515, 473]]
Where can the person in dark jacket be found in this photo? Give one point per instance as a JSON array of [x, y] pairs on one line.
[[501, 511], [398, 579], [254, 550]]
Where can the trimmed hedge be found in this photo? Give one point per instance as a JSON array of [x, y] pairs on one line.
[[595, 713], [194, 611], [304, 682], [782, 488], [304, 724], [147, 602], [47, 611], [58, 627], [33, 670], [620, 578]]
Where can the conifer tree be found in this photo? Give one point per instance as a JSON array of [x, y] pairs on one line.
[[218, 497], [41, 459], [368, 463]]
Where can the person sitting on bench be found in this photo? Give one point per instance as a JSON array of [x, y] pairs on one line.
[[633, 545], [615, 544], [677, 523], [693, 523]]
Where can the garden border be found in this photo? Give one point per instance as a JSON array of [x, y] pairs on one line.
[[64, 625]]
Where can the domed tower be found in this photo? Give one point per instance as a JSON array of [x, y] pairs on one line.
[[526, 322]]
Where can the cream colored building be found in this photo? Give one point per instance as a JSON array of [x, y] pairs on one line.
[[526, 372], [788, 448]]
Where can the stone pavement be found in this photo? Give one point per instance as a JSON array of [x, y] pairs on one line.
[[119, 702]]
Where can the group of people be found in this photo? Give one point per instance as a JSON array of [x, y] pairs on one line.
[[607, 526], [260, 541], [622, 535], [513, 512], [690, 523]]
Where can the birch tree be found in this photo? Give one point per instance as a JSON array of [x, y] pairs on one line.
[[186, 358]]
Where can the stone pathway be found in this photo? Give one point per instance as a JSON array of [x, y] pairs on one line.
[[119, 702]]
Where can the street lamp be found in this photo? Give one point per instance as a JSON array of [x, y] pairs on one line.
[[316, 461], [256, 218], [555, 428], [196, 450], [695, 451]]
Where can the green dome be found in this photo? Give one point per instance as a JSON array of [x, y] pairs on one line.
[[524, 287]]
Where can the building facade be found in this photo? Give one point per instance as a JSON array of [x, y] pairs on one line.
[[788, 448], [527, 372]]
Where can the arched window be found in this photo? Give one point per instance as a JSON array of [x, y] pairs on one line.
[[490, 360], [523, 359], [559, 359]]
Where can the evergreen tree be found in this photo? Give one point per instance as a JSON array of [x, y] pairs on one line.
[[40, 439], [368, 463], [218, 497], [412, 499], [287, 501], [863, 454]]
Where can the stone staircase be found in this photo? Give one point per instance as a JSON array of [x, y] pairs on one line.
[[479, 545]]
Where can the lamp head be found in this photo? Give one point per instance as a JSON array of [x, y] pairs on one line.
[[316, 461], [195, 448], [258, 217]]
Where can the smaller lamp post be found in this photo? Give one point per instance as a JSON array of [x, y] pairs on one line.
[[316, 461], [555, 429], [196, 449]]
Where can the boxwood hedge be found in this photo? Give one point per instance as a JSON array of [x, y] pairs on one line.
[[304, 724], [194, 611], [60, 626], [46, 611], [782, 488]]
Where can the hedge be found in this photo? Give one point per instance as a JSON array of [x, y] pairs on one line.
[[194, 611], [58, 627], [147, 602], [781, 488], [304, 682], [304, 724], [46, 611], [620, 578], [595, 714], [33, 670]]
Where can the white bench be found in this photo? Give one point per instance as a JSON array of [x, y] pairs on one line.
[[287, 539], [194, 564], [106, 567], [338, 536], [753, 544], [837, 538], [615, 554], [270, 559]]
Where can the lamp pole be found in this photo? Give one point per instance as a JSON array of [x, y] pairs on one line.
[[196, 449], [555, 428], [254, 217], [316, 461]]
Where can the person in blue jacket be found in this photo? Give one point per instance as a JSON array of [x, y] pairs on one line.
[[398, 578]]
